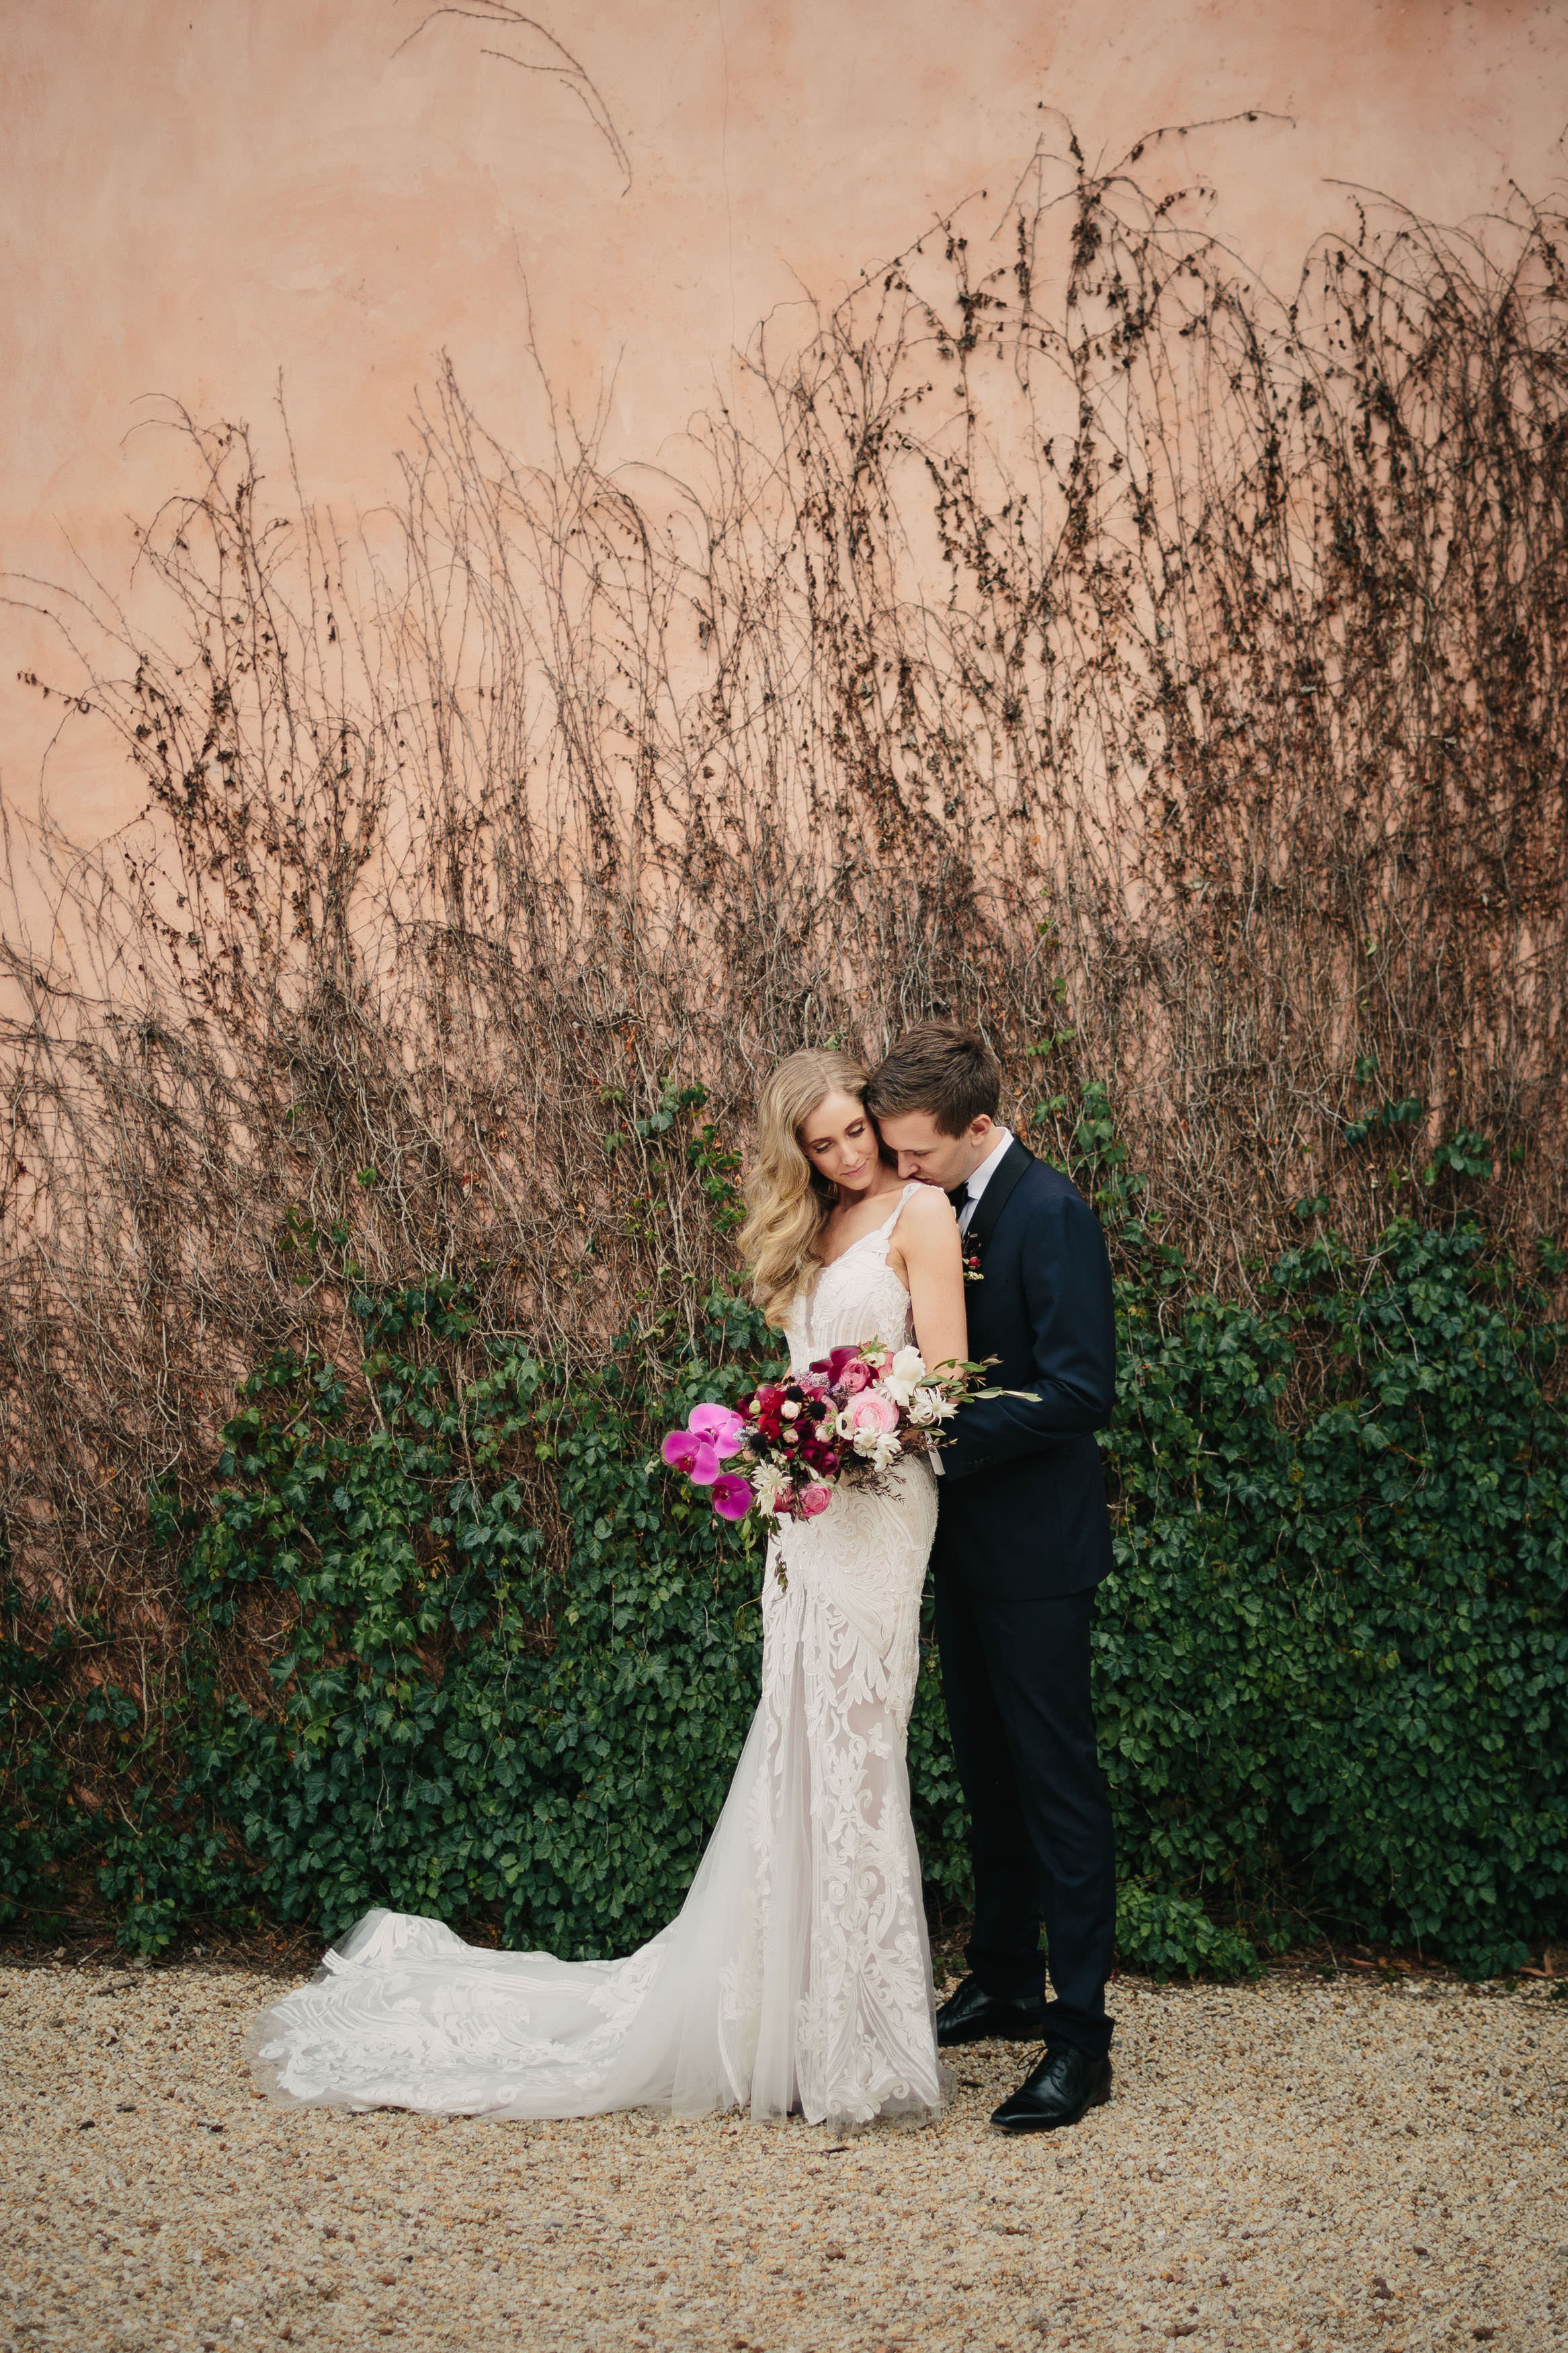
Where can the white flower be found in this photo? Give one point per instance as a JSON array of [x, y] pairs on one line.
[[866, 1442], [924, 1407], [767, 1482], [900, 1374], [789, 1410], [843, 1426], [889, 1450]]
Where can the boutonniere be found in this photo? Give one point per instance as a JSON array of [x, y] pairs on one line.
[[972, 1267]]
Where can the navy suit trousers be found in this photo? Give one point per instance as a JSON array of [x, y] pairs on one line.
[[1014, 1677]]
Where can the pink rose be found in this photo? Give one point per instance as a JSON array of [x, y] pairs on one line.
[[815, 1500], [872, 1411], [855, 1376]]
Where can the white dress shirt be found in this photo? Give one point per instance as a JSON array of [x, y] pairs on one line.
[[981, 1177]]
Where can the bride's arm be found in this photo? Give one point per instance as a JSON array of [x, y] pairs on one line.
[[927, 1255]]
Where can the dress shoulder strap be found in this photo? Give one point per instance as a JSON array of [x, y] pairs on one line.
[[912, 1187]]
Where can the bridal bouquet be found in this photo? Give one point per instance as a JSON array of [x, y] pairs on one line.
[[851, 1416]]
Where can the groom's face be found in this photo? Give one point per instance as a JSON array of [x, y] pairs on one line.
[[936, 1159]]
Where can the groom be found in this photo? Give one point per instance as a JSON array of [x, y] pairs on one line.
[[1022, 1541]]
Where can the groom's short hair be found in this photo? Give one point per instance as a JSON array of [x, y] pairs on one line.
[[942, 1068]]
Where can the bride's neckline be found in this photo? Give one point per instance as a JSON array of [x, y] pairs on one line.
[[875, 1234]]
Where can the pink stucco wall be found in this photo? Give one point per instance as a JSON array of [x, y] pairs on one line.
[[198, 198]]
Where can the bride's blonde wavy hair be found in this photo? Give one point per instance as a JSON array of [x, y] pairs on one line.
[[789, 1202]]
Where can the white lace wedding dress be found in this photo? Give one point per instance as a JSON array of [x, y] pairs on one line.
[[797, 1973]]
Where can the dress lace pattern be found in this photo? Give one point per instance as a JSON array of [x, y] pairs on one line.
[[796, 1974]]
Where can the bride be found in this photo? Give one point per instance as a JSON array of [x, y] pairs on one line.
[[796, 1975]]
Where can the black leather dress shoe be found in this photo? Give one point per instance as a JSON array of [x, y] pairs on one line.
[[972, 2015], [1062, 2087]]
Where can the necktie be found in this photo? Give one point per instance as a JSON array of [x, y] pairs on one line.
[[959, 1196]]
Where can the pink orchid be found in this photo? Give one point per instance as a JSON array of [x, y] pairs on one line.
[[688, 1450], [872, 1411], [680, 1449], [719, 1424], [713, 1433], [815, 1500], [732, 1496]]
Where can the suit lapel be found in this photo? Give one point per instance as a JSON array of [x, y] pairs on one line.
[[995, 1198]]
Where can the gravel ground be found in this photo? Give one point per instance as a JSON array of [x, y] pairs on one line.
[[1294, 2165]]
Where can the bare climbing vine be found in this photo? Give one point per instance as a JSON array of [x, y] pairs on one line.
[[1072, 638]]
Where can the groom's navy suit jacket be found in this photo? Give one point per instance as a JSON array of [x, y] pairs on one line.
[[1022, 1513]]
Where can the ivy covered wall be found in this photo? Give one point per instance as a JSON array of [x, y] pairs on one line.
[[454, 1641]]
